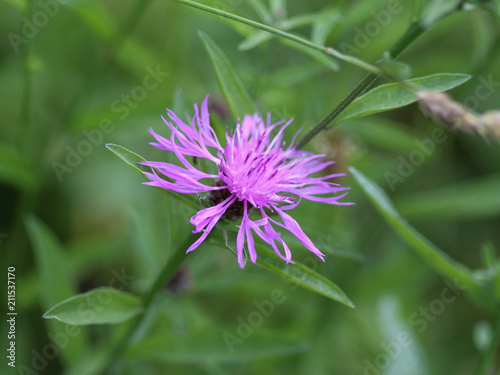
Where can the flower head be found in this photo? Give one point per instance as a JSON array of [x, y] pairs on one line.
[[256, 172]]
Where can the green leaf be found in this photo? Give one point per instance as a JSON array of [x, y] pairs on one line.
[[278, 8], [129, 157], [297, 272], [429, 252], [324, 25], [14, 168], [55, 279], [179, 105], [392, 95], [260, 8], [234, 92], [437, 9], [391, 323], [260, 37], [469, 200], [319, 56], [98, 306], [301, 275], [394, 68], [218, 345], [254, 40], [132, 159]]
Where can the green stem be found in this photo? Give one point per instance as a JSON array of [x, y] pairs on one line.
[[413, 32], [164, 276], [327, 50]]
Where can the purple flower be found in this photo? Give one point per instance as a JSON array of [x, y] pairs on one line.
[[255, 173]]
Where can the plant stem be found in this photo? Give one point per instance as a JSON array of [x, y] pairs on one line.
[[166, 274], [487, 363], [327, 50], [413, 32]]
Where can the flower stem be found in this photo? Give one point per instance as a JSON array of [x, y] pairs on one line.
[[166, 274], [327, 50], [413, 32], [487, 362]]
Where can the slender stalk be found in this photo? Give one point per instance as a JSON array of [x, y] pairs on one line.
[[413, 32], [487, 364], [166, 274], [327, 50]]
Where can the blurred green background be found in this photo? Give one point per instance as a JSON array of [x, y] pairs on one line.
[[75, 74]]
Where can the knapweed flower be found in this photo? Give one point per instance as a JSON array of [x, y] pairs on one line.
[[255, 174]]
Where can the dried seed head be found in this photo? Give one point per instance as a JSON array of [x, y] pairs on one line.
[[491, 123], [444, 110]]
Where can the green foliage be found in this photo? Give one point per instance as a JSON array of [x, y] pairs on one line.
[[235, 94], [436, 258], [132, 159], [98, 306], [301, 275], [56, 280], [217, 345], [295, 272], [98, 223], [392, 95]]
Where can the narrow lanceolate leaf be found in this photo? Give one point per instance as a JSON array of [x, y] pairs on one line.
[[239, 101], [132, 159], [301, 275], [436, 10], [56, 282], [129, 157], [431, 254], [261, 9], [319, 56], [392, 95], [99, 306], [216, 344], [323, 26], [297, 272]]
